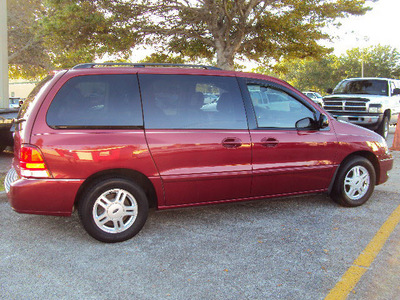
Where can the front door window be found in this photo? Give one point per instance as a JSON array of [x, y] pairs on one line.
[[276, 109]]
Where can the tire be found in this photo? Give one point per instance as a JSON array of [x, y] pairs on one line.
[[108, 219], [355, 182], [383, 128]]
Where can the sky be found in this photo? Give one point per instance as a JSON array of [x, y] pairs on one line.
[[378, 26]]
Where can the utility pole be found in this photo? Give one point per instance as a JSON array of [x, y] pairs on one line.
[[362, 67], [3, 55]]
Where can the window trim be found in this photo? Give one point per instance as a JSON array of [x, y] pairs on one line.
[[252, 118], [90, 127], [98, 127], [240, 93]]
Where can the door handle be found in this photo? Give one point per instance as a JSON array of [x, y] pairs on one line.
[[269, 142], [232, 142]]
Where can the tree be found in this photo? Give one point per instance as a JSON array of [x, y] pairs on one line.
[[310, 74], [76, 31], [375, 61], [229, 29], [71, 31], [51, 34], [163, 58], [26, 53], [321, 74]]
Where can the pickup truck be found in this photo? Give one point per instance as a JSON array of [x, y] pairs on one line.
[[373, 103]]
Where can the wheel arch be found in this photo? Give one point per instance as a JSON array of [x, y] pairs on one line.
[[388, 113], [368, 155], [128, 174]]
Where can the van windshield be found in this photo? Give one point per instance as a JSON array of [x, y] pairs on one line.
[[362, 86]]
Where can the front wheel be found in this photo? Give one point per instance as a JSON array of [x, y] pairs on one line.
[[113, 210], [354, 183], [383, 129]]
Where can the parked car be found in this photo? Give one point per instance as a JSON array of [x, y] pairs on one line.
[[314, 96], [114, 141], [14, 102], [373, 103]]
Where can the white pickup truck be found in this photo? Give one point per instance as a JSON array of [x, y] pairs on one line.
[[373, 103]]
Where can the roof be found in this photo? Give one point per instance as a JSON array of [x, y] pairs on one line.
[[164, 68], [370, 78]]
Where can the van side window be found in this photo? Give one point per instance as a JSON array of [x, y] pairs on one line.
[[97, 101], [191, 102], [276, 109]]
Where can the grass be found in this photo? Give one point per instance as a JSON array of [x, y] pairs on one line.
[[2, 177]]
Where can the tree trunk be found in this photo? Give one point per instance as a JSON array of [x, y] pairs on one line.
[[225, 57]]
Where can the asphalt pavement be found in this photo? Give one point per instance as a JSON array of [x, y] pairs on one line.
[[287, 248]]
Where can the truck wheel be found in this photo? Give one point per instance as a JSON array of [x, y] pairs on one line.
[[383, 128], [354, 183], [113, 210]]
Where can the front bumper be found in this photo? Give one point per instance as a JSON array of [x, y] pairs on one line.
[[385, 166], [44, 196], [368, 121]]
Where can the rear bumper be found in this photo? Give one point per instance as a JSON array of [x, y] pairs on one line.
[[44, 196]]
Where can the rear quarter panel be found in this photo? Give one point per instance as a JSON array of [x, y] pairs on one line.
[[81, 153]]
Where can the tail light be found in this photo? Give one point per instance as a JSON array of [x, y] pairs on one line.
[[32, 163]]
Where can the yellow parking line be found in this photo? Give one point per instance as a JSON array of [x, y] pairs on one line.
[[353, 275]]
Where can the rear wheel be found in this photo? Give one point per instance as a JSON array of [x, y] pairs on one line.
[[354, 183], [113, 210]]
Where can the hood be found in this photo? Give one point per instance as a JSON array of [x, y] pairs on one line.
[[361, 97]]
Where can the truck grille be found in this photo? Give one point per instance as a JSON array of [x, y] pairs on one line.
[[346, 105]]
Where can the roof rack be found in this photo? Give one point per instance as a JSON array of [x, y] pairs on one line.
[[143, 65]]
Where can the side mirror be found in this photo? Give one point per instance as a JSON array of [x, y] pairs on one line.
[[323, 121], [306, 123], [312, 124], [329, 91], [396, 92]]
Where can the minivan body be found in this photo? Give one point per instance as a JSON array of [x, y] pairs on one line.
[[114, 141]]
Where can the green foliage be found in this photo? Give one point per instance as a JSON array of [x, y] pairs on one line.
[[26, 53], [62, 33], [163, 58], [377, 61], [321, 74], [230, 29], [81, 31], [53, 34]]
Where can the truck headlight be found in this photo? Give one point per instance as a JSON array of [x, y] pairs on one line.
[[375, 108]]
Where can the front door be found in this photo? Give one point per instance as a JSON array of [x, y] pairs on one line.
[[198, 136], [286, 160]]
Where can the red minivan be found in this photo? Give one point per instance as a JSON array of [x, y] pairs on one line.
[[114, 140]]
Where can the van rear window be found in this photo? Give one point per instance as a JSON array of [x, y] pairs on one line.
[[22, 114], [97, 101]]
